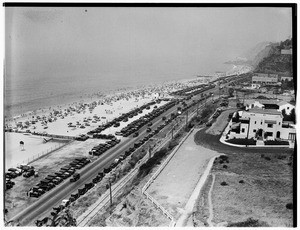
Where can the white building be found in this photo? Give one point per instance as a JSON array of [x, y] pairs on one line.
[[269, 104], [287, 51], [263, 124], [265, 79], [288, 107]]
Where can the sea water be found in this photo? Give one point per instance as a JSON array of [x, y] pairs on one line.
[[25, 93]]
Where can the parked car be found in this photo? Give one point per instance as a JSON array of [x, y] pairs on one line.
[[75, 177]]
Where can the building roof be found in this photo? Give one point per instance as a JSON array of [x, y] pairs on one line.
[[267, 102], [284, 103], [265, 111]]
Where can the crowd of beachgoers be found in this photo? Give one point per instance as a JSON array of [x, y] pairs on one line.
[[94, 110]]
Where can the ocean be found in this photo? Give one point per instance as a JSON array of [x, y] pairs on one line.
[[23, 94]]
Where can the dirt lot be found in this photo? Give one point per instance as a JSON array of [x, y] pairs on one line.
[[175, 184], [266, 188]]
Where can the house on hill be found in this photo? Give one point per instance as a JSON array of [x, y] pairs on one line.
[[287, 106], [262, 124]]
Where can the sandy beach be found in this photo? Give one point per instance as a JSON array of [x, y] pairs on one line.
[[74, 119]]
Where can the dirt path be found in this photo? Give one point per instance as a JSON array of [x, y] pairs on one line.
[[188, 210], [211, 212]]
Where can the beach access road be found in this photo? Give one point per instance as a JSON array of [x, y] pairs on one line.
[[43, 206]]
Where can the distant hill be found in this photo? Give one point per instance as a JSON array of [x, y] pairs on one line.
[[266, 57], [274, 61], [252, 53], [253, 56]]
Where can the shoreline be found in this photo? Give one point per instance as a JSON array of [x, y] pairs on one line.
[[97, 95]]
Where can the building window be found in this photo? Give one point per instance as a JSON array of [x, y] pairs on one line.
[[279, 123], [261, 122], [254, 122], [270, 125], [288, 107], [268, 134], [243, 130], [254, 130]]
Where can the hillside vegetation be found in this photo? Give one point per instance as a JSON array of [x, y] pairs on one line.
[[276, 62]]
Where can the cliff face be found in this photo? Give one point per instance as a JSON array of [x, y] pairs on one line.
[[253, 56], [266, 57], [273, 61], [252, 53]]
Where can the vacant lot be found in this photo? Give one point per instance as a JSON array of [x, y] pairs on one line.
[[175, 184], [259, 184]]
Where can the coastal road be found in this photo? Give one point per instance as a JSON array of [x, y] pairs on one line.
[[44, 204]]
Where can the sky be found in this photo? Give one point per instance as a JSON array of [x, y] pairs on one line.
[[133, 42]]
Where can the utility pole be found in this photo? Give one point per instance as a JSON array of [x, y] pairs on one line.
[[219, 88], [149, 151], [110, 192], [187, 116]]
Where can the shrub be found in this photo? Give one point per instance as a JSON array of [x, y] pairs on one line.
[[262, 155], [268, 158], [241, 181], [224, 183], [242, 141], [249, 223], [224, 157], [276, 142], [289, 206], [225, 166], [149, 164]]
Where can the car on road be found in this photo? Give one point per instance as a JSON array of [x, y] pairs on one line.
[[148, 130]]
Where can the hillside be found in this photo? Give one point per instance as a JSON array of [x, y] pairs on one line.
[[253, 56], [275, 62], [266, 57]]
